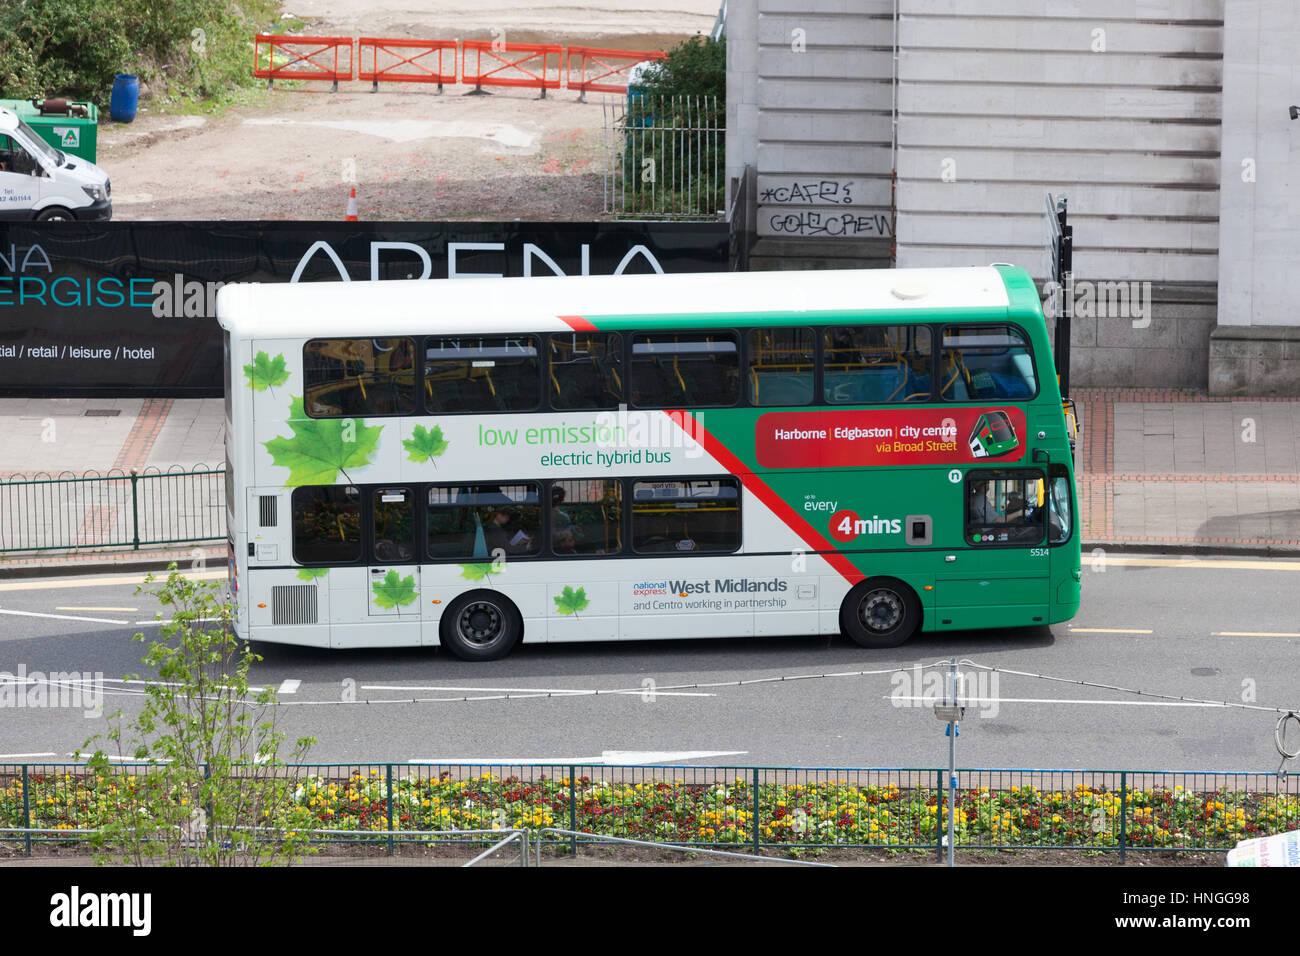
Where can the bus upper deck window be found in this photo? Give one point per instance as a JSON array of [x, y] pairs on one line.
[[981, 362], [345, 378]]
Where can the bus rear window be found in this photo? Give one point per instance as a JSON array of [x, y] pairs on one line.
[[482, 373], [982, 362], [345, 378]]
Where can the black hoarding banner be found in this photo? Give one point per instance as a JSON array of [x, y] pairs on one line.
[[124, 309]]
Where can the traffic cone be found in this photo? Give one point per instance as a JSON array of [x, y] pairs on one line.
[[352, 206]]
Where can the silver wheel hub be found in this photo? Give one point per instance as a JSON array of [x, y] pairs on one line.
[[881, 610], [481, 623]]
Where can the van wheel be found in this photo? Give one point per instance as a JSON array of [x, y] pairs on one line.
[[55, 214], [880, 612], [481, 626]]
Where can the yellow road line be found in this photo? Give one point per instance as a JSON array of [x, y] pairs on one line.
[[100, 581], [1254, 634], [1111, 630], [90, 608], [1243, 564]]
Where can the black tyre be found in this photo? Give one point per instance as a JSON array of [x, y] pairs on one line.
[[55, 214], [481, 626], [880, 612]]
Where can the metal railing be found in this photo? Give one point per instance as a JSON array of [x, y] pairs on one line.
[[664, 157], [93, 510], [389, 807]]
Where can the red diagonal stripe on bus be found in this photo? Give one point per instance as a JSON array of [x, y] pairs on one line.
[[577, 323], [759, 488]]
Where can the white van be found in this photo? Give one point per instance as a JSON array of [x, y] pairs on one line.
[[40, 182]]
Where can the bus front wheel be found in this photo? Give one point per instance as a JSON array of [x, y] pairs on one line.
[[880, 612], [481, 626]]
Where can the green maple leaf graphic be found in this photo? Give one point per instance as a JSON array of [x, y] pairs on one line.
[[311, 574], [393, 591], [477, 572], [570, 601], [425, 445], [266, 373], [318, 451]]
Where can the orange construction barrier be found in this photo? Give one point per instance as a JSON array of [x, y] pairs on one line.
[[405, 61], [489, 63], [608, 68], [301, 58]]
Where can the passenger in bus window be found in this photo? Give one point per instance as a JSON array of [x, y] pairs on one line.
[[565, 543], [503, 531]]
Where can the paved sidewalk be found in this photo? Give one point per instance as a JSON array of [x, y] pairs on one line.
[[1175, 469], [1158, 468]]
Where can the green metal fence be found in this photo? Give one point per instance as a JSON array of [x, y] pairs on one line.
[[755, 808], [93, 510]]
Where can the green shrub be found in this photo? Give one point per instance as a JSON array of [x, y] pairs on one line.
[[180, 49]]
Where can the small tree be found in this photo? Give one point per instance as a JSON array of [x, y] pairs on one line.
[[211, 788], [674, 160]]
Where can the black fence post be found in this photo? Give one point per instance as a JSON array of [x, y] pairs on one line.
[[135, 511], [1123, 814]]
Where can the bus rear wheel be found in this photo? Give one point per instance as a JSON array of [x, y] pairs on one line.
[[880, 612], [481, 626]]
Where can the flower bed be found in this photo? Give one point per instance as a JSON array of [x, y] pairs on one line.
[[844, 812]]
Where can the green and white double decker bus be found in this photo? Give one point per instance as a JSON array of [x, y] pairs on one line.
[[475, 464]]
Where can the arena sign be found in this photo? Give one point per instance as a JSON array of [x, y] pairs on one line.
[[128, 309]]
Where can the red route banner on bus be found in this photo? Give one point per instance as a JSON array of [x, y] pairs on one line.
[[889, 436]]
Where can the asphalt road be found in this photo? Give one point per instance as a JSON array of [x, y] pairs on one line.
[[1214, 629]]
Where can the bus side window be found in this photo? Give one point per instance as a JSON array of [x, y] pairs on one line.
[[1004, 507], [780, 367], [352, 377], [685, 369], [326, 524], [691, 515], [982, 362], [876, 364], [586, 516], [585, 371]]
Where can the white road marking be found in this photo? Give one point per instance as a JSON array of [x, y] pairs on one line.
[[1245, 564], [90, 608], [977, 701], [168, 620], [64, 617], [609, 757], [542, 691], [289, 686], [1254, 634], [24, 756], [1111, 630], [101, 581]]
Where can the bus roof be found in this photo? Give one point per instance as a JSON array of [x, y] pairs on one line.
[[535, 304]]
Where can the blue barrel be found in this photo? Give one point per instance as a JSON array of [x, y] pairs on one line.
[[126, 95]]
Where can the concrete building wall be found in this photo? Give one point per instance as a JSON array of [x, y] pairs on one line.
[[1256, 347], [809, 102]]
